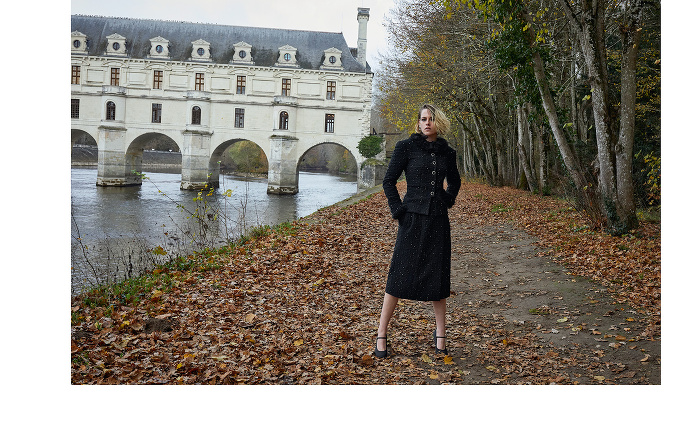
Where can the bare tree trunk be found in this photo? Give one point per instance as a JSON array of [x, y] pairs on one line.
[[486, 148], [530, 138], [542, 151], [569, 157], [588, 22], [523, 139], [624, 148]]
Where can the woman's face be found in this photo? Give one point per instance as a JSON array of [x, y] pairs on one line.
[[427, 125]]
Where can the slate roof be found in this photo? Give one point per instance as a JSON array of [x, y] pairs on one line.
[[266, 42]]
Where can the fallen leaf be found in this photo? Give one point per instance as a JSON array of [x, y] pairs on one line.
[[298, 342], [563, 319], [426, 358], [448, 360], [345, 335], [249, 318], [599, 378], [433, 375], [645, 359]]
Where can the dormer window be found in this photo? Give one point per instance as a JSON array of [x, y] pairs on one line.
[[242, 53], [287, 56], [78, 43], [332, 59], [201, 50], [116, 45], [159, 48]]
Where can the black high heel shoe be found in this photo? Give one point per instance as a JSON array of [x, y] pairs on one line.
[[438, 350], [381, 353]]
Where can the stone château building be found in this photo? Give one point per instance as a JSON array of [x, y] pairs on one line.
[[207, 86]]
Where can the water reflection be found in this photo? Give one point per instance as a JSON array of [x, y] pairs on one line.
[[117, 225]]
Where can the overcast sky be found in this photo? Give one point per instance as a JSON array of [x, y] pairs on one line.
[[312, 15]]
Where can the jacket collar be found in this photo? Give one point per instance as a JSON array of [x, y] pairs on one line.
[[440, 145]]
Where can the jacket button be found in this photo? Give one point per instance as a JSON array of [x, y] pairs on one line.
[[433, 182], [432, 193], [433, 154], [433, 163], [433, 172]]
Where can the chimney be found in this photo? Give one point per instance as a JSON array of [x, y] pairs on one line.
[[362, 16]]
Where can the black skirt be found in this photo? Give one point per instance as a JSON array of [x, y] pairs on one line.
[[420, 266]]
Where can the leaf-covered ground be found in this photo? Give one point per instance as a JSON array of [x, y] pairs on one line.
[[538, 297]]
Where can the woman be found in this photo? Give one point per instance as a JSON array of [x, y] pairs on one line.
[[420, 266]]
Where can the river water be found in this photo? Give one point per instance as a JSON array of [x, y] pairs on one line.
[[120, 232]]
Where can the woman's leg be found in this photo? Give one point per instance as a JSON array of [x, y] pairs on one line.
[[439, 312], [388, 306]]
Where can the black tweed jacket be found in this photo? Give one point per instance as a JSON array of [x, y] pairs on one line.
[[426, 166]]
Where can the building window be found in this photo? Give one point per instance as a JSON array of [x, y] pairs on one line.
[[283, 121], [285, 87], [110, 111], [75, 108], [75, 75], [157, 113], [330, 123], [330, 90], [196, 115], [199, 81], [157, 80], [241, 85], [115, 76], [239, 118]]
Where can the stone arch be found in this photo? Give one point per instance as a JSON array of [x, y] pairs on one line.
[[83, 148], [133, 157], [83, 137], [217, 154], [353, 160]]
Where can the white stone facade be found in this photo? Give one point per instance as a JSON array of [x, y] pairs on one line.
[[125, 95]]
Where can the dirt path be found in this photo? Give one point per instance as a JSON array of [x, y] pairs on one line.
[[518, 317]]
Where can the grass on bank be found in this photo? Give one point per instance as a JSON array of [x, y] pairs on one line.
[[164, 277]]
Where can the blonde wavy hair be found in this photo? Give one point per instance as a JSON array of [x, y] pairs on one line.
[[441, 121]]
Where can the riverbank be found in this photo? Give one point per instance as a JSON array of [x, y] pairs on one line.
[[299, 304]]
